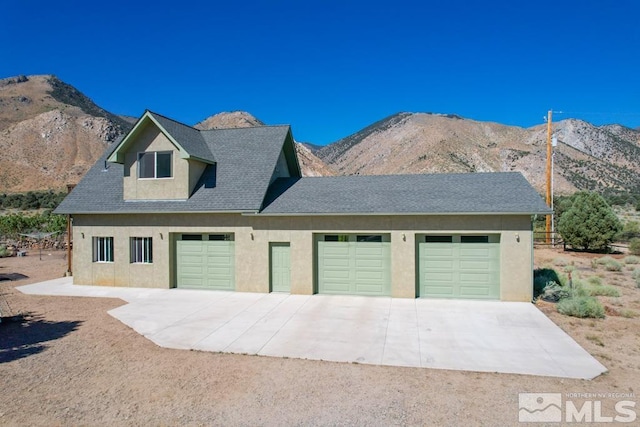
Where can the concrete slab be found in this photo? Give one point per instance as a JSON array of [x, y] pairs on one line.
[[487, 336]]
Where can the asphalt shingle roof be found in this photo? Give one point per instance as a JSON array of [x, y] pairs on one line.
[[452, 193], [246, 159], [189, 138]]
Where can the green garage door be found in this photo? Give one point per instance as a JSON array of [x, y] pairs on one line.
[[459, 266], [205, 264], [354, 265]]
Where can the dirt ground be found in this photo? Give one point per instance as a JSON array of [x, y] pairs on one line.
[[65, 361]]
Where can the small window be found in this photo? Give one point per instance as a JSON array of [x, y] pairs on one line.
[[220, 237], [369, 238], [155, 164], [438, 239], [474, 239], [336, 238], [192, 237], [141, 250], [103, 249]]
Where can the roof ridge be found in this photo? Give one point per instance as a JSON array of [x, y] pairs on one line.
[[170, 119], [245, 127]]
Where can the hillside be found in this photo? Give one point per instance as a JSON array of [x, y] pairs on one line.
[[50, 133], [587, 157]]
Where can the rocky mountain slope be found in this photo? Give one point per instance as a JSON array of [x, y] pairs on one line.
[[601, 158], [50, 133]]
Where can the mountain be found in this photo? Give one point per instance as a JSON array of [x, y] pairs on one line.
[[601, 158], [50, 133], [226, 120]]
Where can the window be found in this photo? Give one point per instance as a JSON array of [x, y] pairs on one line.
[[192, 237], [103, 249], [220, 237], [141, 250], [369, 238], [474, 239], [336, 238], [438, 239], [155, 164]]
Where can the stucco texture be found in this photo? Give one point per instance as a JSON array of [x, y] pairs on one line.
[[253, 233]]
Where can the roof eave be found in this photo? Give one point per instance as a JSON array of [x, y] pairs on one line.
[[400, 213]]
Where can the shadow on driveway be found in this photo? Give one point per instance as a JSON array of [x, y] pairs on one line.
[[24, 335]]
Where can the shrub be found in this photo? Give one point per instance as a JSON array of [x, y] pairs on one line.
[[603, 290], [631, 259], [613, 265], [4, 252], [636, 276], [594, 280], [581, 306], [542, 276], [634, 246], [553, 292], [589, 223]]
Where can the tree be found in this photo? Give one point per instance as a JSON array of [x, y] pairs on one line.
[[590, 223]]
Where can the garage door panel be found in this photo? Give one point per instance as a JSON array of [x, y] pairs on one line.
[[439, 250], [438, 264], [205, 264], [336, 262], [475, 291], [354, 268], [459, 270], [442, 290], [466, 264]]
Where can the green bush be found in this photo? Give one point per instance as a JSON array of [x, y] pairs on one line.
[[613, 265], [554, 292], [589, 223], [581, 306], [636, 276], [4, 252], [541, 277], [634, 246], [609, 263], [631, 259], [603, 290]]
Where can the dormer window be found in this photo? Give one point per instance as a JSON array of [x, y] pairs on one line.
[[155, 164]]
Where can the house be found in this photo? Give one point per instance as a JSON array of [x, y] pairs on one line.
[[171, 206]]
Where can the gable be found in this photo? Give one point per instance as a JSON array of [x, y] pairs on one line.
[[187, 141]]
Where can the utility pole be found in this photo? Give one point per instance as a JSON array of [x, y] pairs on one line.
[[69, 238], [549, 154]]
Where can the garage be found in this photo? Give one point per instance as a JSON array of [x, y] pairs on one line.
[[459, 266], [205, 261], [354, 264]]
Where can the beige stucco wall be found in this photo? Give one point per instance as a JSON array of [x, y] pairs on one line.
[[253, 233], [177, 187]]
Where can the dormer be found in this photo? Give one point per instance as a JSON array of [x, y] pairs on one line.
[[162, 159]]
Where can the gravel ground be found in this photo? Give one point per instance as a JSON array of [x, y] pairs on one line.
[[65, 361]]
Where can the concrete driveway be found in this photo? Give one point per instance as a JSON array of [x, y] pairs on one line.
[[488, 336]]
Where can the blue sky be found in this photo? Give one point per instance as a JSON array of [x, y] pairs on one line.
[[329, 68]]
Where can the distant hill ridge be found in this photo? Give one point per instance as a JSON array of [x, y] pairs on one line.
[[51, 133]]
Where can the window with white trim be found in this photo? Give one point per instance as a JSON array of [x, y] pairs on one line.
[[141, 250], [103, 249], [155, 164]]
